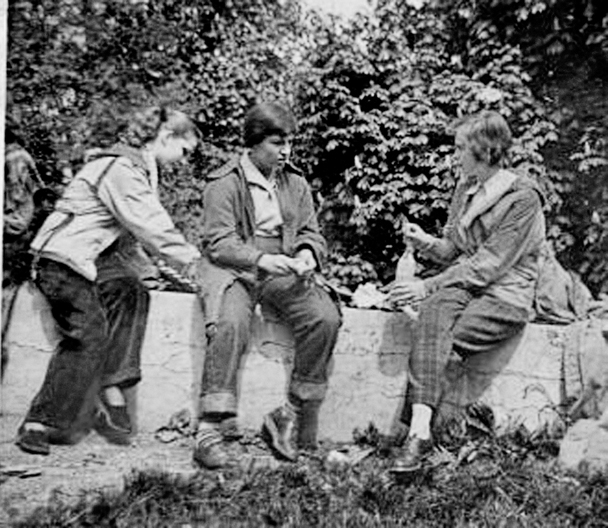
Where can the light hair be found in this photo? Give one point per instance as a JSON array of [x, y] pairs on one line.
[[488, 135], [145, 125]]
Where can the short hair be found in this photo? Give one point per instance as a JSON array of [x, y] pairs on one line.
[[488, 135], [146, 124], [267, 119]]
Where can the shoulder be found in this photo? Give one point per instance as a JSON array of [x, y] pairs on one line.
[[526, 188], [228, 169], [294, 177]]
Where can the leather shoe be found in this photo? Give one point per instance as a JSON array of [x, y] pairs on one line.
[[209, 452], [230, 430], [33, 441], [277, 431], [414, 453]]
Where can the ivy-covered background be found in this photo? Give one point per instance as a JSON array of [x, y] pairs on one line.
[[374, 97]]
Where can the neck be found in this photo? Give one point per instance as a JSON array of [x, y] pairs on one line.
[[268, 173]]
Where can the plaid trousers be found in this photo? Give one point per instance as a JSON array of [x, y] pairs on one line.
[[454, 319]]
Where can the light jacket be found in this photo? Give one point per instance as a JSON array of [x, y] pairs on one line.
[[229, 250], [494, 242], [110, 198]]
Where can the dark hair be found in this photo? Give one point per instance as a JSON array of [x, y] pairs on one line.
[[267, 119], [146, 124], [488, 135]]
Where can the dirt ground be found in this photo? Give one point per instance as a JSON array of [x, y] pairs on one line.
[[30, 481]]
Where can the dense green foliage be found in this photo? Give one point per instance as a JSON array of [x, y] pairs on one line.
[[374, 97]]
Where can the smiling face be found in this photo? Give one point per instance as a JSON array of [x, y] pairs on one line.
[[271, 153]]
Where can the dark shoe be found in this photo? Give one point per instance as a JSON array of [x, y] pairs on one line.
[[277, 431], [230, 430], [33, 441], [413, 456], [308, 425], [209, 452], [113, 423]]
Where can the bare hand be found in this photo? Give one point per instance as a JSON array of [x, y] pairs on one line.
[[276, 264], [414, 233], [305, 263], [407, 292]]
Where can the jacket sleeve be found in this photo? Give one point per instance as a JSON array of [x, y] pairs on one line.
[[518, 233], [308, 234], [221, 215], [129, 196]]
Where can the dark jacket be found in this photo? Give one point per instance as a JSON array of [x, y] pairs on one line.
[[229, 246]]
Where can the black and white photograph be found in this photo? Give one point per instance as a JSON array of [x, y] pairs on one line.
[[304, 263]]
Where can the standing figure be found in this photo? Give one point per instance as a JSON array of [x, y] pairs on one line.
[[83, 264], [21, 183], [491, 243], [262, 244]]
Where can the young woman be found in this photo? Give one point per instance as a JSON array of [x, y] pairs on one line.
[[83, 256], [263, 244], [493, 239]]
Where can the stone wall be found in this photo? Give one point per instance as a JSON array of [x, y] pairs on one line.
[[528, 380]]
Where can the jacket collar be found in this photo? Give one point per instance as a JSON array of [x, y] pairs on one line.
[[488, 195]]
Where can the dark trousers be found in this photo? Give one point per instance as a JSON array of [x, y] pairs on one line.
[[454, 319], [101, 328], [306, 308]]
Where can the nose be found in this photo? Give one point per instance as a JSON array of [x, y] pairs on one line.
[[285, 151]]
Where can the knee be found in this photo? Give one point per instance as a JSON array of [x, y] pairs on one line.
[[327, 318]]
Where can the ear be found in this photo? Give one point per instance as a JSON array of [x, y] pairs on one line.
[[163, 135]]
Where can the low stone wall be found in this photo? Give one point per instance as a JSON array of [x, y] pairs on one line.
[[527, 380]]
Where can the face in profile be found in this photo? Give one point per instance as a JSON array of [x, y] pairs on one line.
[[465, 158], [271, 153], [175, 149]]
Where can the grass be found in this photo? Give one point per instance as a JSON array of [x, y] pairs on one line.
[[509, 481]]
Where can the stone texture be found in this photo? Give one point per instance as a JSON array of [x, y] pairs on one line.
[[585, 447], [525, 381]]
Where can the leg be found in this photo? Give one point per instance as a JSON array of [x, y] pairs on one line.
[[75, 368], [485, 323], [314, 320], [126, 303], [226, 344], [227, 340]]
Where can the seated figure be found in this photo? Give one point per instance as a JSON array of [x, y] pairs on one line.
[[491, 245], [262, 244]]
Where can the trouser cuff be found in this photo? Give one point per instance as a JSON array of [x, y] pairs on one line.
[[306, 390], [124, 379], [217, 403]]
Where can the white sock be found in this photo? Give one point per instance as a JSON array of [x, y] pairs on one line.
[[34, 426], [114, 396], [420, 425]]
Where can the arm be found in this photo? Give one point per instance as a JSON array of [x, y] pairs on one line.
[[308, 234], [517, 233], [221, 216], [130, 198]]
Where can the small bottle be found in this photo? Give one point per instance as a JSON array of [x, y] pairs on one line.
[[406, 272], [406, 266]]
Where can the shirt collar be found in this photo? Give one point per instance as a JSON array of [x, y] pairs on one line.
[[253, 174]]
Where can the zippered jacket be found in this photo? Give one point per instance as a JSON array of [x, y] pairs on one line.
[[111, 197]]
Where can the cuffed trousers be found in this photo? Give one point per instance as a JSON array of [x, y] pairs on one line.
[[101, 328], [306, 308]]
